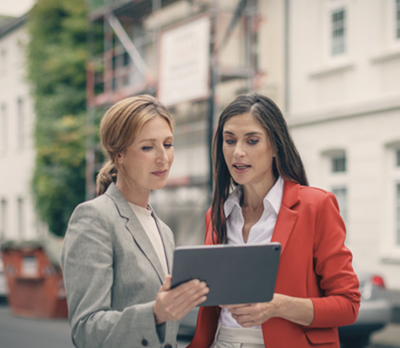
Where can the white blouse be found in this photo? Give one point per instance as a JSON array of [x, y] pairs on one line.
[[149, 224], [260, 233]]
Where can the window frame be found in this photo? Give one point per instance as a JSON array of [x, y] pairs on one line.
[[3, 217], [334, 180], [338, 164], [343, 203], [21, 124], [21, 217], [397, 19], [4, 130], [390, 249], [337, 42]]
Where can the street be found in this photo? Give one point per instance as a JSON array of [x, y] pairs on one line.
[[19, 332]]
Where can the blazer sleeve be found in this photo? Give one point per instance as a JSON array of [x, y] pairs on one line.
[[332, 264], [87, 265]]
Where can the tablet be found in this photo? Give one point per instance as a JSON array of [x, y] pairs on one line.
[[234, 273]]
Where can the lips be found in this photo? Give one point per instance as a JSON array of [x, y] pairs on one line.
[[241, 166], [160, 172]]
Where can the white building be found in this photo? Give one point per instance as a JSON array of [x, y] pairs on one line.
[[17, 217], [344, 113]]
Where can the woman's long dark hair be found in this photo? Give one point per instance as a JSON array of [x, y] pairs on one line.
[[287, 162]]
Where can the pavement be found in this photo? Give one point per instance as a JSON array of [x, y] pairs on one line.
[[389, 337]]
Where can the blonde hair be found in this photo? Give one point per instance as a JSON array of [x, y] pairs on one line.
[[118, 129]]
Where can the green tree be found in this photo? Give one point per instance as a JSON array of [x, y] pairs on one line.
[[57, 71]]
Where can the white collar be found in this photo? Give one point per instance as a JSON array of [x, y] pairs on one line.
[[273, 198]]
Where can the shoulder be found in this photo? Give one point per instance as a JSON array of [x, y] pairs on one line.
[[320, 199], [295, 194], [100, 211], [99, 204], [312, 193]]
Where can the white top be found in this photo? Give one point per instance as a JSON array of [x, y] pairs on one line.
[[149, 224], [260, 232]]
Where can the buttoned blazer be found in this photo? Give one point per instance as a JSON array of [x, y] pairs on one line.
[[314, 264], [112, 275]]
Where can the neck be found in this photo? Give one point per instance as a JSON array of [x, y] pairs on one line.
[[253, 195], [133, 194]]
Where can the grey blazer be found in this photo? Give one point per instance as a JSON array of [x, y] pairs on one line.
[[112, 275]]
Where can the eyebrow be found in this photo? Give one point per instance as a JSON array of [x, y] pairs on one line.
[[247, 134], [167, 138]]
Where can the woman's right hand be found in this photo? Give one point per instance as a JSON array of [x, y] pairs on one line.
[[174, 304]]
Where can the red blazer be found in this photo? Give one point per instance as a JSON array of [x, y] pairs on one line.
[[314, 264]]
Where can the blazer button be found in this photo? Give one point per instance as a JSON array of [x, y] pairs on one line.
[[168, 346], [145, 343]]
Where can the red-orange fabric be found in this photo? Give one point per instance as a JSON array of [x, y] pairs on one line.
[[314, 264]]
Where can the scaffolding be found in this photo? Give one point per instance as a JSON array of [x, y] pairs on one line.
[[124, 58]]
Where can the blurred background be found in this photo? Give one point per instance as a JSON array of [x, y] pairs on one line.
[[332, 66]]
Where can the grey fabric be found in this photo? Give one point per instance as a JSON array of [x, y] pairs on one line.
[[112, 275]]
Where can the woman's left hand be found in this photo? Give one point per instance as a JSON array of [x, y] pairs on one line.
[[297, 310], [253, 314]]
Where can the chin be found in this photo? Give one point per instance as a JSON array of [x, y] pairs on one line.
[[240, 181], [159, 185]]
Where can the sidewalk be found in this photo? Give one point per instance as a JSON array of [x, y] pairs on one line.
[[389, 337]]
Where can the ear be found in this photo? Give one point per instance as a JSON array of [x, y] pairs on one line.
[[120, 158]]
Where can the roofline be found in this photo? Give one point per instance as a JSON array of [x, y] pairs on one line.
[[13, 24]]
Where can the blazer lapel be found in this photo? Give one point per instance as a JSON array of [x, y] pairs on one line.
[[144, 243], [167, 242], [287, 217], [136, 230]]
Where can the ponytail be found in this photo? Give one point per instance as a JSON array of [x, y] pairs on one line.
[[106, 176]]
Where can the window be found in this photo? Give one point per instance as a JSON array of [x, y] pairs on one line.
[[398, 19], [3, 218], [21, 124], [335, 179], [21, 216], [398, 215], [398, 158], [3, 62], [390, 215], [4, 130], [338, 164], [341, 196], [338, 20]]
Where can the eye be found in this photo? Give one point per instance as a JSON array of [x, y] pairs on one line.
[[147, 148], [229, 141], [168, 145], [253, 141]]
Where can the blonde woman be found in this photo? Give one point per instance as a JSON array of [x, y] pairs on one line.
[[117, 254]]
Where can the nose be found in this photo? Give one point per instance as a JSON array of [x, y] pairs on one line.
[[162, 156], [239, 150]]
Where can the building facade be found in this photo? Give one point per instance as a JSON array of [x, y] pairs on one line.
[[242, 50], [344, 114], [17, 217]]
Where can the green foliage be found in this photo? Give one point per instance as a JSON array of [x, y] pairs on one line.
[[57, 71]]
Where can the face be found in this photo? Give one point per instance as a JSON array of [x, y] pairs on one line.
[[147, 161], [247, 150]]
